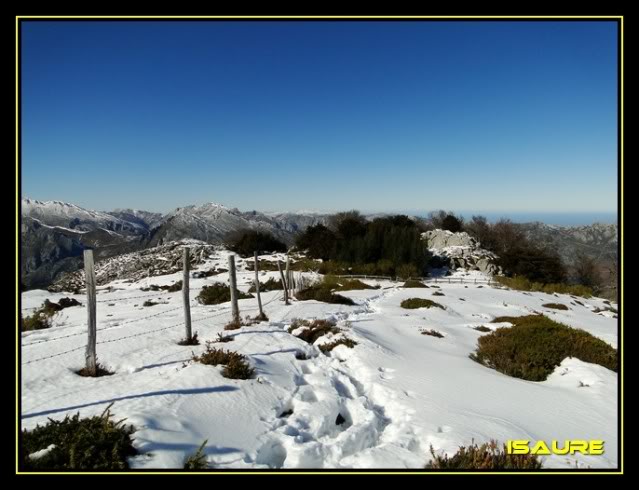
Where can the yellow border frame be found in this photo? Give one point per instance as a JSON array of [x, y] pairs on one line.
[[283, 17]]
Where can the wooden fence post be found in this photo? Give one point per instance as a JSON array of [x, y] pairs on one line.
[[288, 275], [89, 273], [257, 286], [185, 292], [279, 268], [235, 309]]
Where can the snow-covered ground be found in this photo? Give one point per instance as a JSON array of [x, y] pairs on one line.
[[398, 391]]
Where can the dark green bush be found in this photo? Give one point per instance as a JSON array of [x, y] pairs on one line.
[[482, 328], [42, 317], [314, 329], [218, 293], [245, 243], [320, 293], [536, 345], [414, 283], [271, 285], [95, 443], [555, 306], [414, 303], [488, 456], [438, 293], [235, 365], [177, 286], [521, 283]]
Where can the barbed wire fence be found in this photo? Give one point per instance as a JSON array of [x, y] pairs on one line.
[[217, 312]]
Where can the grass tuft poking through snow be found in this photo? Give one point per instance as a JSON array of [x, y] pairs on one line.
[[414, 283], [536, 345], [488, 456], [432, 333], [190, 341], [198, 460]]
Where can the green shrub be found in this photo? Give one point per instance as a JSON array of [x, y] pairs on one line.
[[177, 286], [432, 333], [148, 302], [414, 303], [218, 293], [319, 293], [438, 293], [235, 365], [406, 271], [94, 443], [246, 242], [38, 321], [521, 283], [197, 461], [331, 345], [42, 317], [271, 285], [555, 306], [238, 368], [314, 329], [536, 345], [482, 328], [488, 456], [414, 283], [343, 284]]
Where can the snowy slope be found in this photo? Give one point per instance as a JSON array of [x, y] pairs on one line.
[[398, 391]]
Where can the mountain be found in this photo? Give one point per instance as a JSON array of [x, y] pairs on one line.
[[598, 240], [54, 233], [212, 222]]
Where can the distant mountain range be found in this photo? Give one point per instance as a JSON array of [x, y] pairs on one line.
[[55, 233]]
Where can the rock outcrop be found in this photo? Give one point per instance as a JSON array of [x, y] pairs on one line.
[[461, 251]]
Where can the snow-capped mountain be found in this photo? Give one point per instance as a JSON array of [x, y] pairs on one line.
[[66, 215], [211, 223], [54, 233]]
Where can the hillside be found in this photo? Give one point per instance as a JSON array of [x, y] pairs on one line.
[[396, 393]]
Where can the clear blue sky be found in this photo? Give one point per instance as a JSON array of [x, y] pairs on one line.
[[379, 116]]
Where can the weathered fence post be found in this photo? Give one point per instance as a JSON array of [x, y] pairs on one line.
[[235, 309], [89, 273], [279, 268], [288, 275], [185, 292], [257, 287]]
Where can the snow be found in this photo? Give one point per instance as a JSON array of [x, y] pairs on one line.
[[398, 391]]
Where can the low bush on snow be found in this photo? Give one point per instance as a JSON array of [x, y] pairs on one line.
[[432, 333], [350, 343], [521, 283], [235, 365], [414, 303], [218, 293], [313, 329], [414, 283], [271, 285], [488, 456], [535, 345], [94, 443], [555, 306], [323, 294]]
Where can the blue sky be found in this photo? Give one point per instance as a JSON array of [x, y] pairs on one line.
[[493, 117]]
